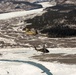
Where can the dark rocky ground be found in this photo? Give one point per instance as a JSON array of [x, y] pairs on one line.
[[58, 23], [11, 35]]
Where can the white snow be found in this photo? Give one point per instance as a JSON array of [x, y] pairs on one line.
[[19, 13], [63, 50], [18, 61], [61, 69], [47, 4], [21, 69], [39, 11]]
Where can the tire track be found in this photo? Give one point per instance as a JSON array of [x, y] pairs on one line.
[[40, 66]]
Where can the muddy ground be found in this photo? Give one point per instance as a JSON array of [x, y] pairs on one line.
[[60, 58]]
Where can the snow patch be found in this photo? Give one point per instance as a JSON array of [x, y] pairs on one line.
[[47, 4], [20, 13], [17, 61]]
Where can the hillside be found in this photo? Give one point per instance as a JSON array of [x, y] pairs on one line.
[[55, 22], [10, 6], [58, 21]]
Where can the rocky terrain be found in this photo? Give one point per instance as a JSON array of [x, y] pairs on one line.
[[56, 28], [19, 5], [58, 21], [11, 6]]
